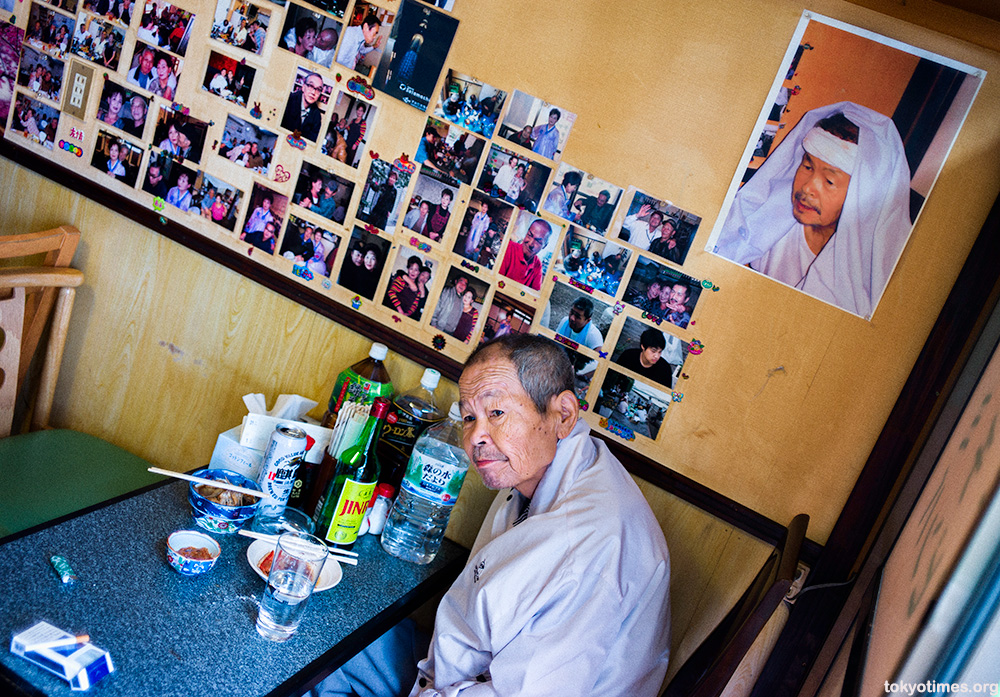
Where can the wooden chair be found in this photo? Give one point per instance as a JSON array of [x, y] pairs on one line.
[[46, 473], [708, 670]]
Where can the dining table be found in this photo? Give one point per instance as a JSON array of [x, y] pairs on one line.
[[170, 635]]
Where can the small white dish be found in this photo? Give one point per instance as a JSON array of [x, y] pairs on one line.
[[328, 578]]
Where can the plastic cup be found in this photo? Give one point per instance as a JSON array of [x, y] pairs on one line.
[[298, 561]]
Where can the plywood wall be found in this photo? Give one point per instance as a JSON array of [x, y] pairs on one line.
[[666, 94]]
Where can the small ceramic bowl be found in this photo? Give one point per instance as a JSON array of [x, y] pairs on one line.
[[217, 517], [187, 551]]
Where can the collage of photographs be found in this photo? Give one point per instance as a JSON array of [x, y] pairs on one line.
[[485, 230]]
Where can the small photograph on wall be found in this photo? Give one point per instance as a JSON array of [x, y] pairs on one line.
[[246, 145], [306, 104], [650, 352], [470, 104], [588, 258], [363, 263], [34, 120], [530, 250], [659, 227], [460, 305], [363, 40], [632, 406], [662, 293], [267, 211], [120, 12], [40, 74], [382, 197], [155, 70], [67, 5], [158, 180], [584, 368], [450, 150], [167, 27], [51, 32], [96, 40], [410, 280], [830, 208], [180, 134], [578, 316], [10, 39], [506, 316], [483, 229], [170, 180], [415, 53], [334, 7], [429, 208], [513, 178], [351, 126], [117, 157], [582, 198], [123, 109], [241, 24], [228, 78], [536, 125], [217, 200], [323, 193], [307, 244], [310, 34]]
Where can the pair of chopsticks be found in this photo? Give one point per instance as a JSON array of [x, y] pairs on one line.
[[211, 482], [344, 556]]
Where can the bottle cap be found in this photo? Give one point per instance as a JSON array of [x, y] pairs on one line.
[[386, 490], [454, 413], [380, 407], [430, 379], [378, 352]]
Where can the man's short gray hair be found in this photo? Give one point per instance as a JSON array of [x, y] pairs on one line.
[[542, 365]]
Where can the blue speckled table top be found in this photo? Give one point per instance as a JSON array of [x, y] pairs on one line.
[[170, 635]]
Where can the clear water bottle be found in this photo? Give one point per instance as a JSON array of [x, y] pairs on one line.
[[428, 492]]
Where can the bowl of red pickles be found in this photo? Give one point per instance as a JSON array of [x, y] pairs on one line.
[[191, 552]]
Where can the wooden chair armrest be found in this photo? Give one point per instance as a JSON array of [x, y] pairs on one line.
[[40, 277]]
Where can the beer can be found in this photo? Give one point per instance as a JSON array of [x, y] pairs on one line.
[[284, 453]]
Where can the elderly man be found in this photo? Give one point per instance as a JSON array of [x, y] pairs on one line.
[[595, 213], [142, 73], [828, 211], [566, 589], [521, 262], [302, 112]]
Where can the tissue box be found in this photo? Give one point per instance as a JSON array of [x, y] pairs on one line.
[[230, 455], [81, 665], [257, 430]]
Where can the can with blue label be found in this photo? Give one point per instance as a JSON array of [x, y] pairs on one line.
[[284, 453]]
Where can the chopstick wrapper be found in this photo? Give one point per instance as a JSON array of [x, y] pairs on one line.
[[241, 448]]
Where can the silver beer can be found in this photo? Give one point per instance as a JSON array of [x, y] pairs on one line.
[[284, 452]]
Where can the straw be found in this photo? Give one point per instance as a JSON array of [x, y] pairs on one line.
[[210, 482], [344, 556]]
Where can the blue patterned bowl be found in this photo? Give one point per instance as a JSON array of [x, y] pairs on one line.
[[179, 546], [217, 517]]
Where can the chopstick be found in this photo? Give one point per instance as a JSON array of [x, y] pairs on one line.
[[210, 482], [344, 556]]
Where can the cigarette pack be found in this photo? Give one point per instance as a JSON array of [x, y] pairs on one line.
[[81, 665]]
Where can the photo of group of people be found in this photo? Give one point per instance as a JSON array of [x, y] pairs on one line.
[[268, 209], [460, 305], [351, 120], [154, 70], [309, 245], [590, 259], [217, 200], [450, 150], [228, 78], [180, 134], [382, 198], [117, 157], [247, 145], [537, 125], [414, 54], [241, 24], [98, 40], [49, 31], [172, 181], [632, 405], [323, 193], [311, 35], [34, 120], [483, 229], [582, 199], [117, 10], [429, 208], [513, 178], [40, 74], [11, 37], [662, 292], [165, 26], [409, 284], [363, 263], [123, 109], [659, 227], [470, 104]]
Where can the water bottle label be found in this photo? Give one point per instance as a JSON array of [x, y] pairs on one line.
[[350, 511], [433, 479]]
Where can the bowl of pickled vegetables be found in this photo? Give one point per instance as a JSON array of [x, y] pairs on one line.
[[220, 510], [191, 552]]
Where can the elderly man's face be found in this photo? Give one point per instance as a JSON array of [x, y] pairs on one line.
[[678, 294], [818, 192], [146, 62], [534, 239], [312, 89], [508, 441]]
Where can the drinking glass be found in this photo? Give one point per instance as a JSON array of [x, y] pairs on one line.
[[298, 561]]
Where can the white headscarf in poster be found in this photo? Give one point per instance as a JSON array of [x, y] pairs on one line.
[[853, 268]]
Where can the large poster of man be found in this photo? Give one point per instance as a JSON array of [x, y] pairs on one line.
[[842, 158]]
